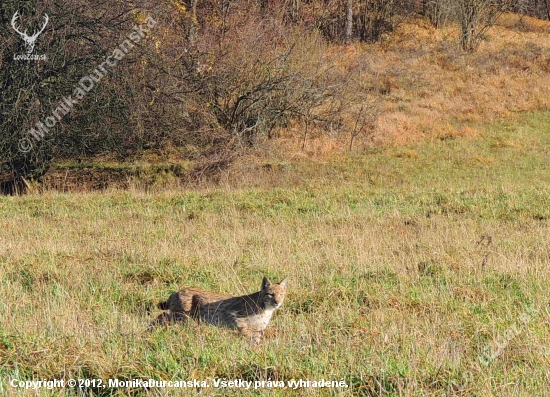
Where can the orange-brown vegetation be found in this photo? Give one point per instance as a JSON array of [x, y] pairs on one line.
[[430, 89]]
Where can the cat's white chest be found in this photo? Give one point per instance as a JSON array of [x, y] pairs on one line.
[[261, 320]]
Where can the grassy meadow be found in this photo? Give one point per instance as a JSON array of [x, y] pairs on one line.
[[406, 264]]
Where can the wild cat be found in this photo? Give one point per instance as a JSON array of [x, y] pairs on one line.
[[250, 314]]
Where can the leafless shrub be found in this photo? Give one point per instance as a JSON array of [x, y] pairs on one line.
[[76, 36], [536, 8], [439, 12], [378, 17], [364, 120], [367, 20], [475, 18], [240, 80]]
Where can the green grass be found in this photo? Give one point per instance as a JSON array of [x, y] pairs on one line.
[[405, 265]]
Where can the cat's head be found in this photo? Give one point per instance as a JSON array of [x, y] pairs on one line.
[[273, 294]]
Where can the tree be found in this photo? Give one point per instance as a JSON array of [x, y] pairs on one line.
[[349, 21]]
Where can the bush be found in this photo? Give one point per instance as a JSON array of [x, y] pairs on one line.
[[475, 18], [243, 77], [439, 12], [73, 39]]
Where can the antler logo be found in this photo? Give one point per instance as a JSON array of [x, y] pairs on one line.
[[29, 40]]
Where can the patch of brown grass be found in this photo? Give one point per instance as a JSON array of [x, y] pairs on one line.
[[429, 87]]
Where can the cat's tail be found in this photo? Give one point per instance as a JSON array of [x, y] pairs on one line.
[[163, 305]]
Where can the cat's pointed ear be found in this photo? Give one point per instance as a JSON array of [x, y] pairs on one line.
[[284, 282], [265, 284]]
